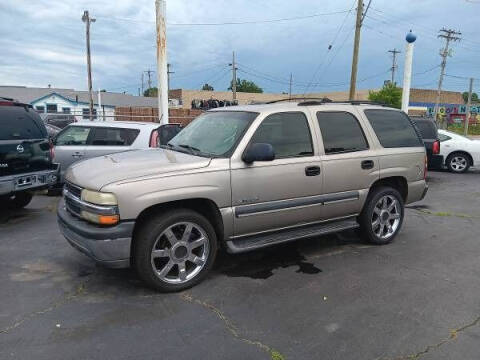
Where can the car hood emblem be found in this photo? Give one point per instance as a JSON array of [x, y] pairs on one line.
[[20, 148]]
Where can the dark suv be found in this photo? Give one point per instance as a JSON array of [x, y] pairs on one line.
[[26, 154], [429, 133]]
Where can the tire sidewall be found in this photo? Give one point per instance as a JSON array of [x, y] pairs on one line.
[[367, 214], [147, 237], [449, 161]]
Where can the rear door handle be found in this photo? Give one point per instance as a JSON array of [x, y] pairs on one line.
[[312, 170], [77, 154], [367, 164]]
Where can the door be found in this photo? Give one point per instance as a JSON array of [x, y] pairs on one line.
[[107, 140], [282, 193], [349, 165], [70, 146]]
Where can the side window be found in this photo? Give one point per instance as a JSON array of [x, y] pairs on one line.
[[73, 136], [393, 128], [288, 133], [86, 114], [113, 136], [443, 137], [341, 132]]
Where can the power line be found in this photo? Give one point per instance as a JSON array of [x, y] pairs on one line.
[[248, 22]]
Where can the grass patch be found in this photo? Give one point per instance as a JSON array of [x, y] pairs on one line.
[[473, 129], [275, 355]]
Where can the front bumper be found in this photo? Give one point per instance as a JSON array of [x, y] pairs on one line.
[[108, 246], [30, 181]]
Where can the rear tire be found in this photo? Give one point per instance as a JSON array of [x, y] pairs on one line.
[[382, 216], [458, 163], [174, 250], [18, 200]]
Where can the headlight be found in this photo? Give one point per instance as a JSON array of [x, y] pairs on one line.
[[98, 198]]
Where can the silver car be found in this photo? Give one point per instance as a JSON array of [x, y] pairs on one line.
[[84, 140], [244, 179]]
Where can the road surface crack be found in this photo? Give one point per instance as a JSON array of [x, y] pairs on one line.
[[79, 290], [453, 335], [232, 329]]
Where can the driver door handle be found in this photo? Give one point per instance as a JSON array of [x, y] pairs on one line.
[[77, 154], [312, 170]]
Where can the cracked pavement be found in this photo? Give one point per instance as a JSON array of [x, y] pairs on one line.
[[332, 297]]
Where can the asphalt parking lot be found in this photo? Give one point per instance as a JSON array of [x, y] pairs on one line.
[[332, 297]]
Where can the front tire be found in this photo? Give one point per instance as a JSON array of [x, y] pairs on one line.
[[175, 250], [382, 216], [458, 163]]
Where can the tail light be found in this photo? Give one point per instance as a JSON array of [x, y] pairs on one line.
[[426, 168], [52, 151], [154, 139], [436, 147]]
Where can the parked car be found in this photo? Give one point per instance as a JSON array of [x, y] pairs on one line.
[[245, 178], [428, 130], [26, 155], [459, 151], [58, 119], [84, 140]]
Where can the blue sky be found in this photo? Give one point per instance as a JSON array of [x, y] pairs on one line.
[[43, 42]]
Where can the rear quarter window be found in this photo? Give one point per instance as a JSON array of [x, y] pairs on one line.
[[393, 128], [17, 124]]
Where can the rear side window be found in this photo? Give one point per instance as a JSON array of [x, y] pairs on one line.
[[73, 136], [288, 133], [427, 128], [341, 132], [393, 128], [17, 124], [443, 137], [113, 136]]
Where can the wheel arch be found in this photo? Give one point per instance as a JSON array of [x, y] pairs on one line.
[[203, 206], [464, 152], [399, 183]]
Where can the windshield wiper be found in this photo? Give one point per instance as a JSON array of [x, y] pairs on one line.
[[191, 148]]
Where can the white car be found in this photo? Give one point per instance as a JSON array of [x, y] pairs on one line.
[[458, 151], [84, 140]]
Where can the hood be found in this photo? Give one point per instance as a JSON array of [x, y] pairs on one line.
[[98, 172]]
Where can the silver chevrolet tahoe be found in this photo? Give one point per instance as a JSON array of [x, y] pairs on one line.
[[245, 178]]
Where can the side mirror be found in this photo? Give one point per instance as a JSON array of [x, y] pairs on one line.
[[258, 152]]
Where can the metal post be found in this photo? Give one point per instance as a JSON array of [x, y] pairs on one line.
[[290, 87], [234, 77], [99, 111], [407, 72], [469, 104], [356, 47], [162, 77], [87, 20]]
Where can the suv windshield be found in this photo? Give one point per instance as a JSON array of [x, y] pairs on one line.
[[213, 134]]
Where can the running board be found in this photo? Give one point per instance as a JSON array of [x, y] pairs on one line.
[[273, 238]]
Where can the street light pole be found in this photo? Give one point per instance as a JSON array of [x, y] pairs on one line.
[[162, 76]]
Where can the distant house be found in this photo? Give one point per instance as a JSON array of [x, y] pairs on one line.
[[70, 101]]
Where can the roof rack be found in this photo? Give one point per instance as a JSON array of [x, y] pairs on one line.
[[296, 99], [351, 102]]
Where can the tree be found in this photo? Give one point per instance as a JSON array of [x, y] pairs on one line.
[[207, 87], [246, 86], [151, 92], [465, 97], [389, 94]]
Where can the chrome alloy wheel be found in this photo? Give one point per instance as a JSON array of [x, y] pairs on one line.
[[180, 252], [458, 163], [386, 217]]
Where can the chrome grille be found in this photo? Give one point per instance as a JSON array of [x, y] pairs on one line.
[[73, 189]]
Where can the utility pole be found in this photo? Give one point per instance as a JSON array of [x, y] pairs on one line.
[[469, 104], [162, 76], [290, 87], [88, 20], [448, 35], [356, 47], [142, 83], [234, 77], [149, 75], [168, 76], [394, 63]]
